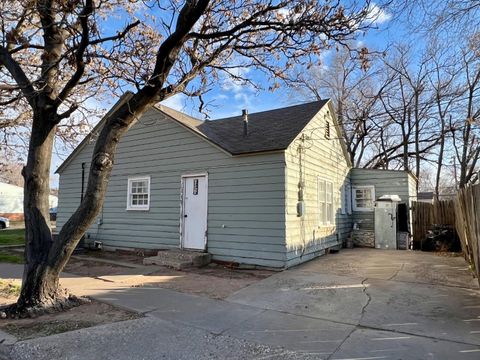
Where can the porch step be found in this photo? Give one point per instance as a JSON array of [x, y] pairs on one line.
[[178, 259]]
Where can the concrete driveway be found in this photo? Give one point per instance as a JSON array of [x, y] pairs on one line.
[[357, 304], [369, 304]]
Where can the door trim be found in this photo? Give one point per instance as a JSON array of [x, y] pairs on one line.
[[182, 208]]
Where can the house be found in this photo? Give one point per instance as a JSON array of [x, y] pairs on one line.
[[11, 201], [429, 196], [268, 189]]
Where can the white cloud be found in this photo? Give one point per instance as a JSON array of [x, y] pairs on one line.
[[233, 83], [236, 89], [377, 15]]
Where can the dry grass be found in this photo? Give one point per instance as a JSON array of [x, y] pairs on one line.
[[9, 289]]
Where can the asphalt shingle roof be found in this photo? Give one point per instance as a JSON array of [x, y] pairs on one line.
[[267, 130]]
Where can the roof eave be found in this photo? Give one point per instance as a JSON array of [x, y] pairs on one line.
[[340, 132]]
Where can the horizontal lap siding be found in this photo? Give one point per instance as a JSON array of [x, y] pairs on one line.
[[386, 182], [324, 158], [70, 185], [246, 194]]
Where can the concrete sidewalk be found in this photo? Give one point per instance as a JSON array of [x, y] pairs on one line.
[[359, 304], [147, 338]]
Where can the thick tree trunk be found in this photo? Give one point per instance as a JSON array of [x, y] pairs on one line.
[[40, 283], [45, 258]]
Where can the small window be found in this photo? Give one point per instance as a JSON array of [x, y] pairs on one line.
[[138, 193], [363, 198], [327, 129], [325, 202]]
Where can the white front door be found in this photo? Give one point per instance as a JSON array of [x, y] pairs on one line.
[[194, 212]]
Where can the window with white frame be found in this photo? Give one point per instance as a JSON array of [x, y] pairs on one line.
[[363, 198], [325, 202], [138, 193]]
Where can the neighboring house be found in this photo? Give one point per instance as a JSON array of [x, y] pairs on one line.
[[274, 190], [425, 196], [11, 201], [429, 196]]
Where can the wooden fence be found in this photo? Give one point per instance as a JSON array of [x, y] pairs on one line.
[[463, 214], [425, 215], [467, 209]]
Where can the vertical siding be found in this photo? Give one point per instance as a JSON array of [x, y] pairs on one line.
[[245, 202], [323, 158], [386, 182]]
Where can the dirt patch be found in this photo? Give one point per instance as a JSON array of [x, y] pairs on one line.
[[212, 281], [92, 268], [121, 256], [9, 291], [83, 316]]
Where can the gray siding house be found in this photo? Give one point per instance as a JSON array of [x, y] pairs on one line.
[[271, 189]]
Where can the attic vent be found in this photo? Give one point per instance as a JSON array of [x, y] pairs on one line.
[[327, 129]]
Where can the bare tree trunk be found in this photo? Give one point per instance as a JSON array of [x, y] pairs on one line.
[[405, 137], [417, 139], [40, 285], [439, 167], [45, 259]]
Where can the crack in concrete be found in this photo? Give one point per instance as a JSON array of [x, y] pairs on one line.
[[102, 279], [396, 272], [369, 327], [341, 344], [369, 299]]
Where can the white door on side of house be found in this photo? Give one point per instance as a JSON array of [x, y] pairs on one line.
[[194, 212]]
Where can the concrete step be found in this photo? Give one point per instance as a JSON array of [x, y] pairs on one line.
[[178, 259]]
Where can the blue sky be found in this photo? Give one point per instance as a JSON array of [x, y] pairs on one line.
[[228, 99]]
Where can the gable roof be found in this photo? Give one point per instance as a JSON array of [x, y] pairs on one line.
[[270, 130]]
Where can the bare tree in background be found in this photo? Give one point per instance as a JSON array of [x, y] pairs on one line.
[[466, 137], [408, 103], [416, 108], [53, 51], [452, 19], [353, 86], [443, 81], [11, 173], [384, 109]]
